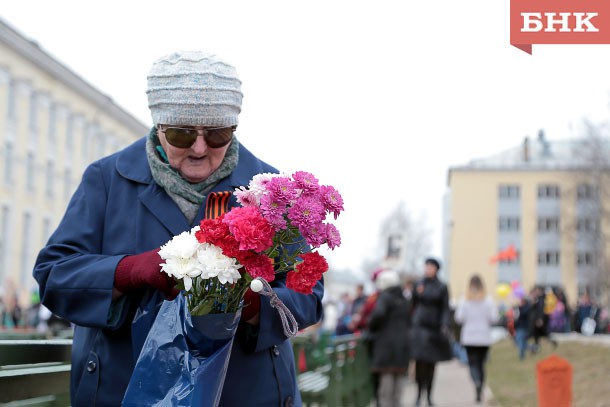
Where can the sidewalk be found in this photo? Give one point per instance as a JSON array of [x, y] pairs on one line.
[[452, 388]]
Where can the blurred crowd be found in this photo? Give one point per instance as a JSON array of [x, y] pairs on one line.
[[33, 318]]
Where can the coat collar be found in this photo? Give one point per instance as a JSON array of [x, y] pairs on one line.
[[132, 164]]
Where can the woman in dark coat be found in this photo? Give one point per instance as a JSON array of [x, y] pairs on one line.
[[389, 326], [430, 330]]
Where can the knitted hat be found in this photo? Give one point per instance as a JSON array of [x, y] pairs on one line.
[[193, 89], [387, 279]]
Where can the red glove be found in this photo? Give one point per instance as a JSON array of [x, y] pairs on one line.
[[143, 270], [252, 305]]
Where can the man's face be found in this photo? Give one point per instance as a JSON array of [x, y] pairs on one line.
[[195, 163]]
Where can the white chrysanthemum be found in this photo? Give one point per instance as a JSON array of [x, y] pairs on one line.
[[180, 255], [215, 264], [183, 246], [183, 269]]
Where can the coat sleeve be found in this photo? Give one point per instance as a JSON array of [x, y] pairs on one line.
[[74, 278], [306, 308]]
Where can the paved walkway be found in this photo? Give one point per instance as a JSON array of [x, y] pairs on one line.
[[452, 388]]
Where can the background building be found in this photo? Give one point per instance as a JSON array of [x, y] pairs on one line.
[[53, 124], [542, 198]]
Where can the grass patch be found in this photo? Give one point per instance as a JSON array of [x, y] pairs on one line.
[[513, 382]]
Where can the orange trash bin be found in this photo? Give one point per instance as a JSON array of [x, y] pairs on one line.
[[554, 382]]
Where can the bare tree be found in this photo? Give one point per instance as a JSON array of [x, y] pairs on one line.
[[404, 240], [591, 224]]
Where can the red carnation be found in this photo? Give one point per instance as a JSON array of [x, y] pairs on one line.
[[307, 273], [257, 265], [216, 232]]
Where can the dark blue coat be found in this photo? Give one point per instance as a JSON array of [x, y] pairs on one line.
[[119, 210]]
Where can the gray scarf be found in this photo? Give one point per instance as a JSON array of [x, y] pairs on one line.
[[189, 197]]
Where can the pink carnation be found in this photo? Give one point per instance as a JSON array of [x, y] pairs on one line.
[[249, 228]]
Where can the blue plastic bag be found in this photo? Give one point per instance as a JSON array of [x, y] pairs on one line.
[[184, 359]]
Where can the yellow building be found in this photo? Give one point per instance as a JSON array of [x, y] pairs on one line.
[[531, 198], [53, 124]]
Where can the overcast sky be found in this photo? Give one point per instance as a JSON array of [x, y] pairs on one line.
[[377, 98]]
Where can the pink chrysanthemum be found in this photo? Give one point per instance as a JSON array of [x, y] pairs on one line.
[[282, 190], [333, 202], [246, 197], [306, 182], [333, 238], [273, 211], [306, 212]]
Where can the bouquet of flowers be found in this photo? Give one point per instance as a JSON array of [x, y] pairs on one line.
[[277, 229], [281, 222]]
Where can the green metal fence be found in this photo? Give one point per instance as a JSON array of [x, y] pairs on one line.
[[333, 371], [330, 371], [35, 372]]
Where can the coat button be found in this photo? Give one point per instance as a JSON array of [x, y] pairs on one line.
[[288, 402], [276, 350], [91, 365]]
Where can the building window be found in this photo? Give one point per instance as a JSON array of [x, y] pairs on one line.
[[25, 247], [11, 103], [50, 177], [69, 138], [548, 191], [509, 223], [586, 225], [548, 224], [33, 124], [67, 183], [548, 258], [509, 191], [585, 259], [85, 142], [9, 151], [46, 230], [5, 228], [30, 171], [52, 127], [585, 191]]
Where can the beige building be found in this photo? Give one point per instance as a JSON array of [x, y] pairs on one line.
[[53, 124], [534, 198]]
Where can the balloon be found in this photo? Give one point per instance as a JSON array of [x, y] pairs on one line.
[[519, 293], [515, 284], [503, 290]]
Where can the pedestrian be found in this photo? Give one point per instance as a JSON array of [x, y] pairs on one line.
[[542, 305], [522, 315], [477, 314], [102, 262], [389, 324], [430, 328]]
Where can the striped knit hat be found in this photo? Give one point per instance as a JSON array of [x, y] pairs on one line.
[[193, 89]]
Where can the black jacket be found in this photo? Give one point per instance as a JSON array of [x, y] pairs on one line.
[[389, 324], [431, 321]]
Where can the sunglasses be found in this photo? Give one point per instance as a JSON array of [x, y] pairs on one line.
[[184, 137]]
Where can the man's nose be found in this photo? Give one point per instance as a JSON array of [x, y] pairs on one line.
[[200, 146]]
